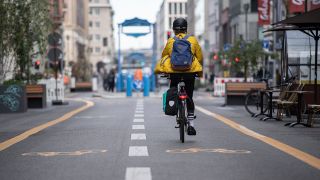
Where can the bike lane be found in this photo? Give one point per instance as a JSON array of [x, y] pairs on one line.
[[218, 151]]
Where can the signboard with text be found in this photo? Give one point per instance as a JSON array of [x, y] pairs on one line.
[[264, 12]]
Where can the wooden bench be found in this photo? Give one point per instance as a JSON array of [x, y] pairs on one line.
[[235, 92], [82, 86], [36, 96]]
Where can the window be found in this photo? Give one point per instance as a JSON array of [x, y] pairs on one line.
[[90, 23], [90, 10], [180, 8], [105, 41], [96, 1], [175, 8], [97, 10], [90, 37], [254, 6], [170, 22], [98, 49], [170, 8], [97, 24], [98, 37], [186, 7]]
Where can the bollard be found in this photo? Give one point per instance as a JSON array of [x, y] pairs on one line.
[[146, 86], [119, 82], [129, 85]]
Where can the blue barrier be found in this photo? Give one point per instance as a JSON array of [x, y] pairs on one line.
[[146, 85], [129, 85], [119, 82]]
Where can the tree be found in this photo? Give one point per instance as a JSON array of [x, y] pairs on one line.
[[24, 26], [244, 56]]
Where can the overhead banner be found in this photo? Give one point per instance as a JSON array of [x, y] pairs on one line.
[[315, 4], [264, 12], [296, 6]]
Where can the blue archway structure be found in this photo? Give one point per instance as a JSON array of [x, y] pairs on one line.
[[135, 22], [136, 56]]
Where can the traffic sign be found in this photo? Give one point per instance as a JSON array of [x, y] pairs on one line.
[[55, 54], [55, 39]]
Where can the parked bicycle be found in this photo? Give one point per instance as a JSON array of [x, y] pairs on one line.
[[256, 101]]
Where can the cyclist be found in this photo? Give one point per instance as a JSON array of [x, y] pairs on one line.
[[180, 26]]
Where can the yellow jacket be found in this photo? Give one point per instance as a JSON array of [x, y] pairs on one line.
[[164, 64]]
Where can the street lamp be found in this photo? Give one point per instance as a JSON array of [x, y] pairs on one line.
[[246, 9]]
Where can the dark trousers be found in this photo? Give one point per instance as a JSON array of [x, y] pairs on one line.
[[188, 79]]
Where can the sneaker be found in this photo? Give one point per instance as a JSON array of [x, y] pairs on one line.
[[191, 131]]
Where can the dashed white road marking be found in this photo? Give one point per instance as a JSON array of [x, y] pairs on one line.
[[135, 127], [138, 151], [139, 112], [138, 120], [138, 173], [139, 115], [138, 136]]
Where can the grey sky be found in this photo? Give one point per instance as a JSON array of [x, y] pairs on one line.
[[127, 9]]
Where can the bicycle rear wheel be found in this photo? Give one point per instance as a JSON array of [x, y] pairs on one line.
[[182, 119], [252, 102]]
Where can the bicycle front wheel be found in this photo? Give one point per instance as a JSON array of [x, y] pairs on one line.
[[253, 102]]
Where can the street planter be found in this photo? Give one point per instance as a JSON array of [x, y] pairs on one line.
[[13, 99]]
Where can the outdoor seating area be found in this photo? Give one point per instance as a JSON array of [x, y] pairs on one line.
[[291, 106], [236, 92]]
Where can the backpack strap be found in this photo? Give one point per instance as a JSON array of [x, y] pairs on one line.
[[175, 38], [186, 36]]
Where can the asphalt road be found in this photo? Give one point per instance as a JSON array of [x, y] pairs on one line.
[[130, 139]]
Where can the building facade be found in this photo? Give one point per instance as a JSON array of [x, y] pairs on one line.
[[101, 40], [75, 32], [169, 11]]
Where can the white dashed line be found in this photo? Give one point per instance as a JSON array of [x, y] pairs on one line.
[[138, 151], [138, 173], [139, 112], [137, 136], [135, 127], [138, 120], [139, 115]]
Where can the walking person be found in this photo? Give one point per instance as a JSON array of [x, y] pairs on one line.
[[111, 81]]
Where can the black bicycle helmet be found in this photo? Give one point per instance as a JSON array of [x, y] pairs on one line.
[[180, 24]]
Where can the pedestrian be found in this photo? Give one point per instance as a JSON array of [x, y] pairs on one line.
[[111, 81]]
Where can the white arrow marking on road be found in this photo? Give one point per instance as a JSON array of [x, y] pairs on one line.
[[135, 127], [138, 120], [138, 151], [137, 136], [138, 173]]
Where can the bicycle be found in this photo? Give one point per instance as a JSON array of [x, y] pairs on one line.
[[256, 100], [181, 116]]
